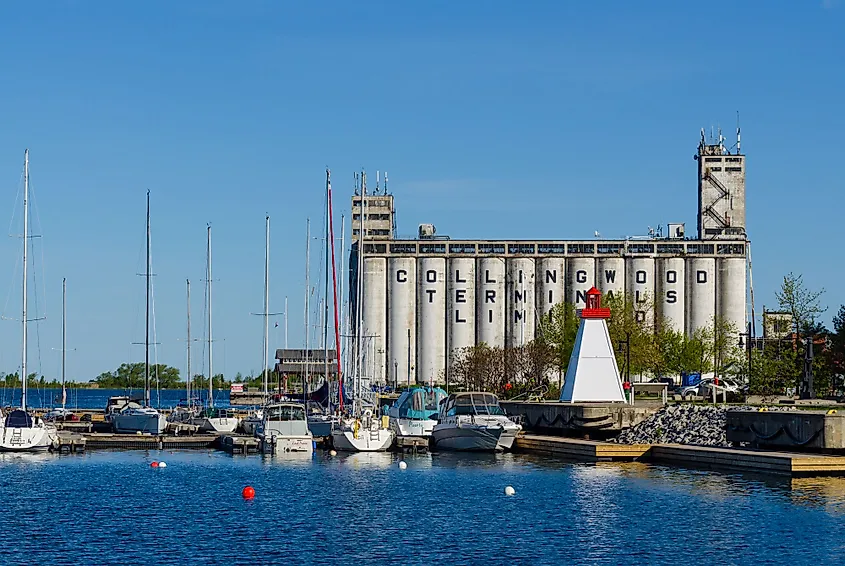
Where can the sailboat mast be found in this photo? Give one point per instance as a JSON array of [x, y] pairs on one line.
[[147, 321], [307, 293], [64, 340], [25, 244], [360, 293], [210, 357], [266, 299], [326, 295], [188, 380], [334, 288]]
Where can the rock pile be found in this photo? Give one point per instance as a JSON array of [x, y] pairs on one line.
[[703, 425]]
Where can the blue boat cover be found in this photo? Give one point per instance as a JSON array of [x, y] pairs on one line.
[[419, 402], [19, 419]]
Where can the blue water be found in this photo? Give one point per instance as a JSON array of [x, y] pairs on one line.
[[111, 507], [97, 398]]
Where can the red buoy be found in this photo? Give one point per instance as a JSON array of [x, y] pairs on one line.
[[154, 464], [248, 492]]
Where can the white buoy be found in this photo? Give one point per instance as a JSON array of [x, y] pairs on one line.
[[162, 465], [510, 491], [402, 465], [332, 453]]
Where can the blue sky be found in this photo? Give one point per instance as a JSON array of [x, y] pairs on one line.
[[494, 119]]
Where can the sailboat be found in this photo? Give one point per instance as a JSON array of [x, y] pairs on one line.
[[184, 413], [213, 419], [62, 413], [252, 422], [21, 430], [133, 418], [362, 430]]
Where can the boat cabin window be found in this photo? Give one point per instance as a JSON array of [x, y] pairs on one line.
[[286, 413], [475, 404]]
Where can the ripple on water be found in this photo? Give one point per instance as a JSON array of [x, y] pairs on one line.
[[105, 507]]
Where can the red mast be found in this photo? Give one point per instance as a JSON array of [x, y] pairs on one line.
[[334, 286]]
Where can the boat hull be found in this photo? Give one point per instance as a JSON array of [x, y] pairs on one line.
[[217, 424], [412, 427], [467, 438], [34, 439], [284, 444], [153, 423], [321, 428], [378, 440], [250, 424]]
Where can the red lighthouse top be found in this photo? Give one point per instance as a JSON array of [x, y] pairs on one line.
[[593, 308]]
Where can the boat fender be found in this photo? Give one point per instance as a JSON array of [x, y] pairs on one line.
[[355, 427]]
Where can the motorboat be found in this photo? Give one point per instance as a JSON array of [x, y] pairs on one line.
[[366, 433], [320, 421], [139, 419], [473, 421], [214, 419], [284, 428], [115, 404], [252, 421], [415, 412]]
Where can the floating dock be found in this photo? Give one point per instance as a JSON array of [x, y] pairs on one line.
[[148, 441], [239, 444], [793, 430], [724, 459]]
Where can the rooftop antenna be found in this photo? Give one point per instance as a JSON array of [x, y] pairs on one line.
[[721, 141], [738, 149], [385, 182], [355, 182], [378, 179]]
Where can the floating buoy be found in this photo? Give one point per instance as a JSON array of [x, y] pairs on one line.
[[510, 491], [248, 492], [402, 465], [154, 464], [332, 453], [162, 464]]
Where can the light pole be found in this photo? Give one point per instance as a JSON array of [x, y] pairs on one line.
[[627, 343], [747, 346]]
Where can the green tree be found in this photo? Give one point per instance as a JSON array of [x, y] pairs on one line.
[[132, 375], [478, 368], [557, 332], [633, 319], [801, 302]]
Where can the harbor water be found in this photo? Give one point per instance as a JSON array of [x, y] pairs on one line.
[[38, 398], [113, 507]]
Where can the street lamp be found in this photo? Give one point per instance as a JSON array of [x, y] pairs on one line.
[[747, 346]]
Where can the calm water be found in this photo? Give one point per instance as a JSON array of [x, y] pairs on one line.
[[97, 398], [111, 507]]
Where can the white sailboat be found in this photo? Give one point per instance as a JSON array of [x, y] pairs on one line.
[[21, 430], [213, 419], [251, 423], [362, 430], [133, 418], [183, 414]]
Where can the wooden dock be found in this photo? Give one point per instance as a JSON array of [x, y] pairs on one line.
[[239, 444], [148, 441], [725, 459], [587, 450]]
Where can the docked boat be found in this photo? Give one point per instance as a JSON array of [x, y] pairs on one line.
[[252, 421], [364, 433], [21, 430], [320, 421], [284, 428], [473, 421], [216, 419], [132, 416], [415, 411]]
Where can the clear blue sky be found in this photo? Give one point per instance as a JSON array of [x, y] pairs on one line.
[[494, 119]]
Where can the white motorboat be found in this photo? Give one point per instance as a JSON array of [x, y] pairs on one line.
[[21, 431], [217, 420], [135, 417], [473, 421], [139, 419], [284, 428], [364, 434], [415, 411]]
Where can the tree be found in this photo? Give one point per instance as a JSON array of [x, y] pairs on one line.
[[799, 301], [132, 375], [479, 368], [633, 319], [557, 332]]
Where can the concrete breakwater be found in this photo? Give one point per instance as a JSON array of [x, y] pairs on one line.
[[702, 425]]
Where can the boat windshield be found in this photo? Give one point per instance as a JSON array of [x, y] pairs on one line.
[[476, 404], [286, 413]]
